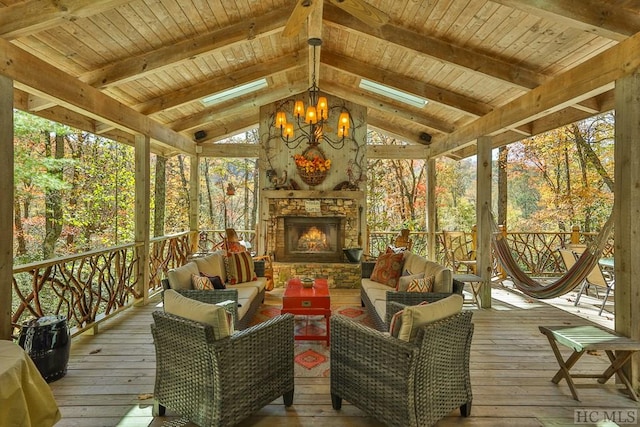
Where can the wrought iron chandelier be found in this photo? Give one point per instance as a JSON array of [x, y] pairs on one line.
[[312, 122]]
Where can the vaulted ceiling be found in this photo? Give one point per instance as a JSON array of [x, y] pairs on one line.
[[505, 68]]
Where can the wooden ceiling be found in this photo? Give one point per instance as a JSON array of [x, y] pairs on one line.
[[505, 68]]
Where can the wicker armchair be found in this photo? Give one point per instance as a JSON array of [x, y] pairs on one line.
[[403, 383], [220, 382]]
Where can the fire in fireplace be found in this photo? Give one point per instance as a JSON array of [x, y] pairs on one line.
[[313, 239]]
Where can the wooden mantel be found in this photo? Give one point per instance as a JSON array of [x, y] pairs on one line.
[[312, 194]]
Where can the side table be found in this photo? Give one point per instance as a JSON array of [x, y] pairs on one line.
[[314, 301]]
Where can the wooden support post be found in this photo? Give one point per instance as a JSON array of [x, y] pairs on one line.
[[432, 253], [6, 198], [483, 206], [142, 235], [626, 218], [194, 205]]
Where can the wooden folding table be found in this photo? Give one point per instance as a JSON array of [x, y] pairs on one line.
[[618, 348]]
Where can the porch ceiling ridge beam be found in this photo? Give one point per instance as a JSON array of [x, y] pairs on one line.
[[237, 106], [433, 93], [593, 16], [32, 16], [359, 97], [590, 78], [436, 48], [171, 55], [217, 84], [39, 77]]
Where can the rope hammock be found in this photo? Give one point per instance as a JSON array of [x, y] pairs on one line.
[[572, 278]]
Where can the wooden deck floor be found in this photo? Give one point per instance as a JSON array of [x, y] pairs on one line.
[[110, 376]]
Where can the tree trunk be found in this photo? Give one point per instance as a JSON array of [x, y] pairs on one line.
[[184, 178], [503, 154], [17, 220], [53, 201], [207, 180], [160, 196], [592, 157]]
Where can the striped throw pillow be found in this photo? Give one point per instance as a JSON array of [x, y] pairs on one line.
[[241, 268]]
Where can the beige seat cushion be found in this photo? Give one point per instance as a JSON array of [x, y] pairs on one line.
[[413, 317], [191, 309], [180, 278]]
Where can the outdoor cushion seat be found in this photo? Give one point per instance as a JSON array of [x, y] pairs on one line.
[[415, 379], [215, 377]]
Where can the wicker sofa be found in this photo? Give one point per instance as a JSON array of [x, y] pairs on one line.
[[376, 296], [248, 296]]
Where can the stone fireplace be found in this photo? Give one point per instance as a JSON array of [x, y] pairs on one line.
[[306, 231]]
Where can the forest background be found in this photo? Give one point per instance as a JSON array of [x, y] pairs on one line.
[[74, 191]]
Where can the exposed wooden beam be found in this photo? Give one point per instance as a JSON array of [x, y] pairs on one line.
[[604, 18], [544, 124], [237, 106], [590, 78], [394, 131], [217, 131], [437, 48], [360, 97], [392, 78], [168, 56], [218, 84], [32, 16], [230, 150], [397, 152], [47, 81]]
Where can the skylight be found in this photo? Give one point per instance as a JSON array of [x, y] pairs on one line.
[[392, 93], [234, 92]]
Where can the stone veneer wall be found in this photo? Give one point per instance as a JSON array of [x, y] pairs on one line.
[[339, 275]]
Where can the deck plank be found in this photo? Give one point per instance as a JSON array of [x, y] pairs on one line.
[[110, 375]]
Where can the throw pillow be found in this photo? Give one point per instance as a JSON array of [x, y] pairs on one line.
[[396, 321], [216, 281], [416, 316], [212, 265], [201, 283], [191, 309], [424, 284], [241, 268], [387, 269], [404, 280]]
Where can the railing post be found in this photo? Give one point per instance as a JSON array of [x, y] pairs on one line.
[[575, 235]]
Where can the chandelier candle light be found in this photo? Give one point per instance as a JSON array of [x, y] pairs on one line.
[[315, 116]]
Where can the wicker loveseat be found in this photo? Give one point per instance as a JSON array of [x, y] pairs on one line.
[[212, 375], [248, 295], [402, 383], [376, 296]]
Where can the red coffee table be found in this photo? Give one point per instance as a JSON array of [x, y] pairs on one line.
[[314, 301]]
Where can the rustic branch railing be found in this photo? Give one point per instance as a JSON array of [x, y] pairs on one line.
[[84, 288], [90, 287], [165, 253]]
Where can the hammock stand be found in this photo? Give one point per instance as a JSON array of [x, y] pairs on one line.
[[572, 278]]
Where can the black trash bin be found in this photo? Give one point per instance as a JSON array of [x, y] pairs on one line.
[[46, 340]]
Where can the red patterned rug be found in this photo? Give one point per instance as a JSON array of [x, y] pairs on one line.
[[312, 357]]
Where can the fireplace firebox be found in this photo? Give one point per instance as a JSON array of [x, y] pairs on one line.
[[312, 239]]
